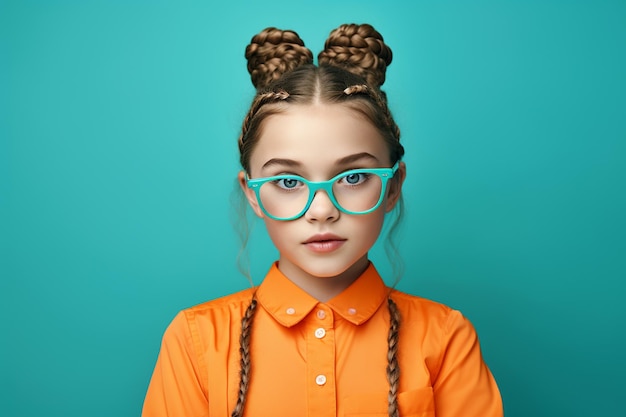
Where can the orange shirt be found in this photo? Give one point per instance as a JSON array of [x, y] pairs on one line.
[[321, 359]]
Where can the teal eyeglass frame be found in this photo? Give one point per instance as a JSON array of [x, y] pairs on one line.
[[385, 174]]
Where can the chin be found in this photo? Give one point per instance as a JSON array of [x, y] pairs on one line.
[[325, 273], [333, 269], [319, 268]]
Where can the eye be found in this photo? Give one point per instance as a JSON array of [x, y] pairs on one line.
[[288, 183], [355, 178]]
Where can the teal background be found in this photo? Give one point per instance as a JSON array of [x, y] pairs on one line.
[[118, 127]]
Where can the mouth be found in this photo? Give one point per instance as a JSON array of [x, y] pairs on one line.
[[324, 243]]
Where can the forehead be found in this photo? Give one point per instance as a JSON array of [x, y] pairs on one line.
[[317, 135]]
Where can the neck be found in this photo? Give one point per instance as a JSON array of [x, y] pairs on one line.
[[323, 288]]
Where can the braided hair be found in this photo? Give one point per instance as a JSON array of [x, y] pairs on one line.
[[351, 69]]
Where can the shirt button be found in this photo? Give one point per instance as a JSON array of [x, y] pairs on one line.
[[352, 311], [319, 333], [321, 314], [291, 311], [320, 380]]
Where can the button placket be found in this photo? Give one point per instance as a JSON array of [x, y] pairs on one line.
[[320, 360]]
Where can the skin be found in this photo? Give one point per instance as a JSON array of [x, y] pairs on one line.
[[325, 250]]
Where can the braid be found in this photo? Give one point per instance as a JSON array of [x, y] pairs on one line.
[[259, 101], [393, 369], [360, 49], [379, 98], [244, 350], [351, 70], [270, 54], [274, 52]]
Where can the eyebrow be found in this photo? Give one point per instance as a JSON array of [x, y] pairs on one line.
[[357, 157], [342, 161], [281, 162]]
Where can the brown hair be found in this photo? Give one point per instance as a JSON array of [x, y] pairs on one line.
[[350, 70]]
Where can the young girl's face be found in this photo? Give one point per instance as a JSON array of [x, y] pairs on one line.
[[318, 142]]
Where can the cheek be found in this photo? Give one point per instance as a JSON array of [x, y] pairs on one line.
[[369, 226], [279, 232]]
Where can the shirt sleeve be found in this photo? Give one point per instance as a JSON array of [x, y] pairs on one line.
[[464, 386], [175, 388]]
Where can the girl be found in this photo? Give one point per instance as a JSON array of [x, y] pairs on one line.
[[322, 335]]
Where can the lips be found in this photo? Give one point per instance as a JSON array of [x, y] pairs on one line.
[[324, 242]]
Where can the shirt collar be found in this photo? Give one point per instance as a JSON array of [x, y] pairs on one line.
[[288, 304]]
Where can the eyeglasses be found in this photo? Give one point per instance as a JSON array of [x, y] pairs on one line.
[[288, 197]]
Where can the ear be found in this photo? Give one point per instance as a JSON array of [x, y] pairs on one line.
[[394, 187], [250, 195]]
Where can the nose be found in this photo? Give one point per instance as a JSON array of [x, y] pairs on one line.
[[322, 208]]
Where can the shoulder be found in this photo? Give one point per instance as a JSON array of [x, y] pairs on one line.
[[409, 303], [227, 302], [215, 314], [438, 329], [422, 310], [218, 309]]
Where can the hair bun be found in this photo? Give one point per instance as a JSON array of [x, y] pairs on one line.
[[272, 53], [360, 49]]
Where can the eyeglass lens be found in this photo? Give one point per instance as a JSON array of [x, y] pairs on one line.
[[287, 197]]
